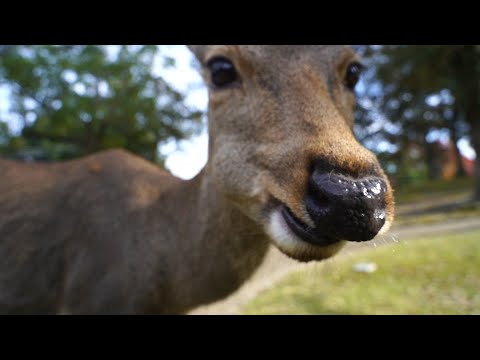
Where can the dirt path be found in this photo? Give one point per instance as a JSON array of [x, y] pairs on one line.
[[277, 265]]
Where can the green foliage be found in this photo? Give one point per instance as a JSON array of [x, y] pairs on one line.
[[76, 100], [407, 76]]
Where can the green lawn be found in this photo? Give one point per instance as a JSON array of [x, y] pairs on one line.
[[429, 189], [461, 211], [439, 275], [435, 201]]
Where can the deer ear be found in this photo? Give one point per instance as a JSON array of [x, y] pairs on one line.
[[198, 51]]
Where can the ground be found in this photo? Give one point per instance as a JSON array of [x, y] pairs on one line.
[[432, 211]]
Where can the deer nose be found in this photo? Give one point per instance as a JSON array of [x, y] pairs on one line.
[[346, 208]]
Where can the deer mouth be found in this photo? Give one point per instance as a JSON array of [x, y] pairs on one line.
[[305, 232]]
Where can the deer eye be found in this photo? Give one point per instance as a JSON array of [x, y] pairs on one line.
[[222, 71], [352, 75]]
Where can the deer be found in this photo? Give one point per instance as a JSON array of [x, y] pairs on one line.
[[112, 233]]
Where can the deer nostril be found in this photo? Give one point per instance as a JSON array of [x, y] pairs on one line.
[[341, 207], [318, 194]]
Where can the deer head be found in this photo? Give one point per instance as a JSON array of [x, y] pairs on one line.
[[282, 147]]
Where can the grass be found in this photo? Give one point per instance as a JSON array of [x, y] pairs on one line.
[[429, 189], [439, 275], [435, 201], [461, 211]]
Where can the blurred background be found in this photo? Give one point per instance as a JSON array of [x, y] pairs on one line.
[[418, 110]]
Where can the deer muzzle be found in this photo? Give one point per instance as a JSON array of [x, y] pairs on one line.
[[342, 208]]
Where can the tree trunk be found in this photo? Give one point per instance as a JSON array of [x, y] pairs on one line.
[[432, 160], [474, 121], [475, 135], [454, 137], [458, 159], [475, 140], [471, 100]]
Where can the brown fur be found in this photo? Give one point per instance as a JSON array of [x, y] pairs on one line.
[[112, 233]]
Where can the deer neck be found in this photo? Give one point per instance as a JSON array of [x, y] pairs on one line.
[[219, 247]]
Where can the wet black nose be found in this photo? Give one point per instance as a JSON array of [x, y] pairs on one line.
[[346, 208]]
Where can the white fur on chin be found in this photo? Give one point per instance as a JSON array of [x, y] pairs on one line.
[[283, 237]]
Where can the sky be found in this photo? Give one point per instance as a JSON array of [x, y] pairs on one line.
[[191, 155], [187, 158]]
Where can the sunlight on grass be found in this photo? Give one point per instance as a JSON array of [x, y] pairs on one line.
[[438, 275], [464, 211], [425, 190]]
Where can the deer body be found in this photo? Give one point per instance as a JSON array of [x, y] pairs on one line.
[[112, 233], [122, 250]]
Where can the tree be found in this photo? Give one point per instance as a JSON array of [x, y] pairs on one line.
[[410, 75], [77, 100]]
